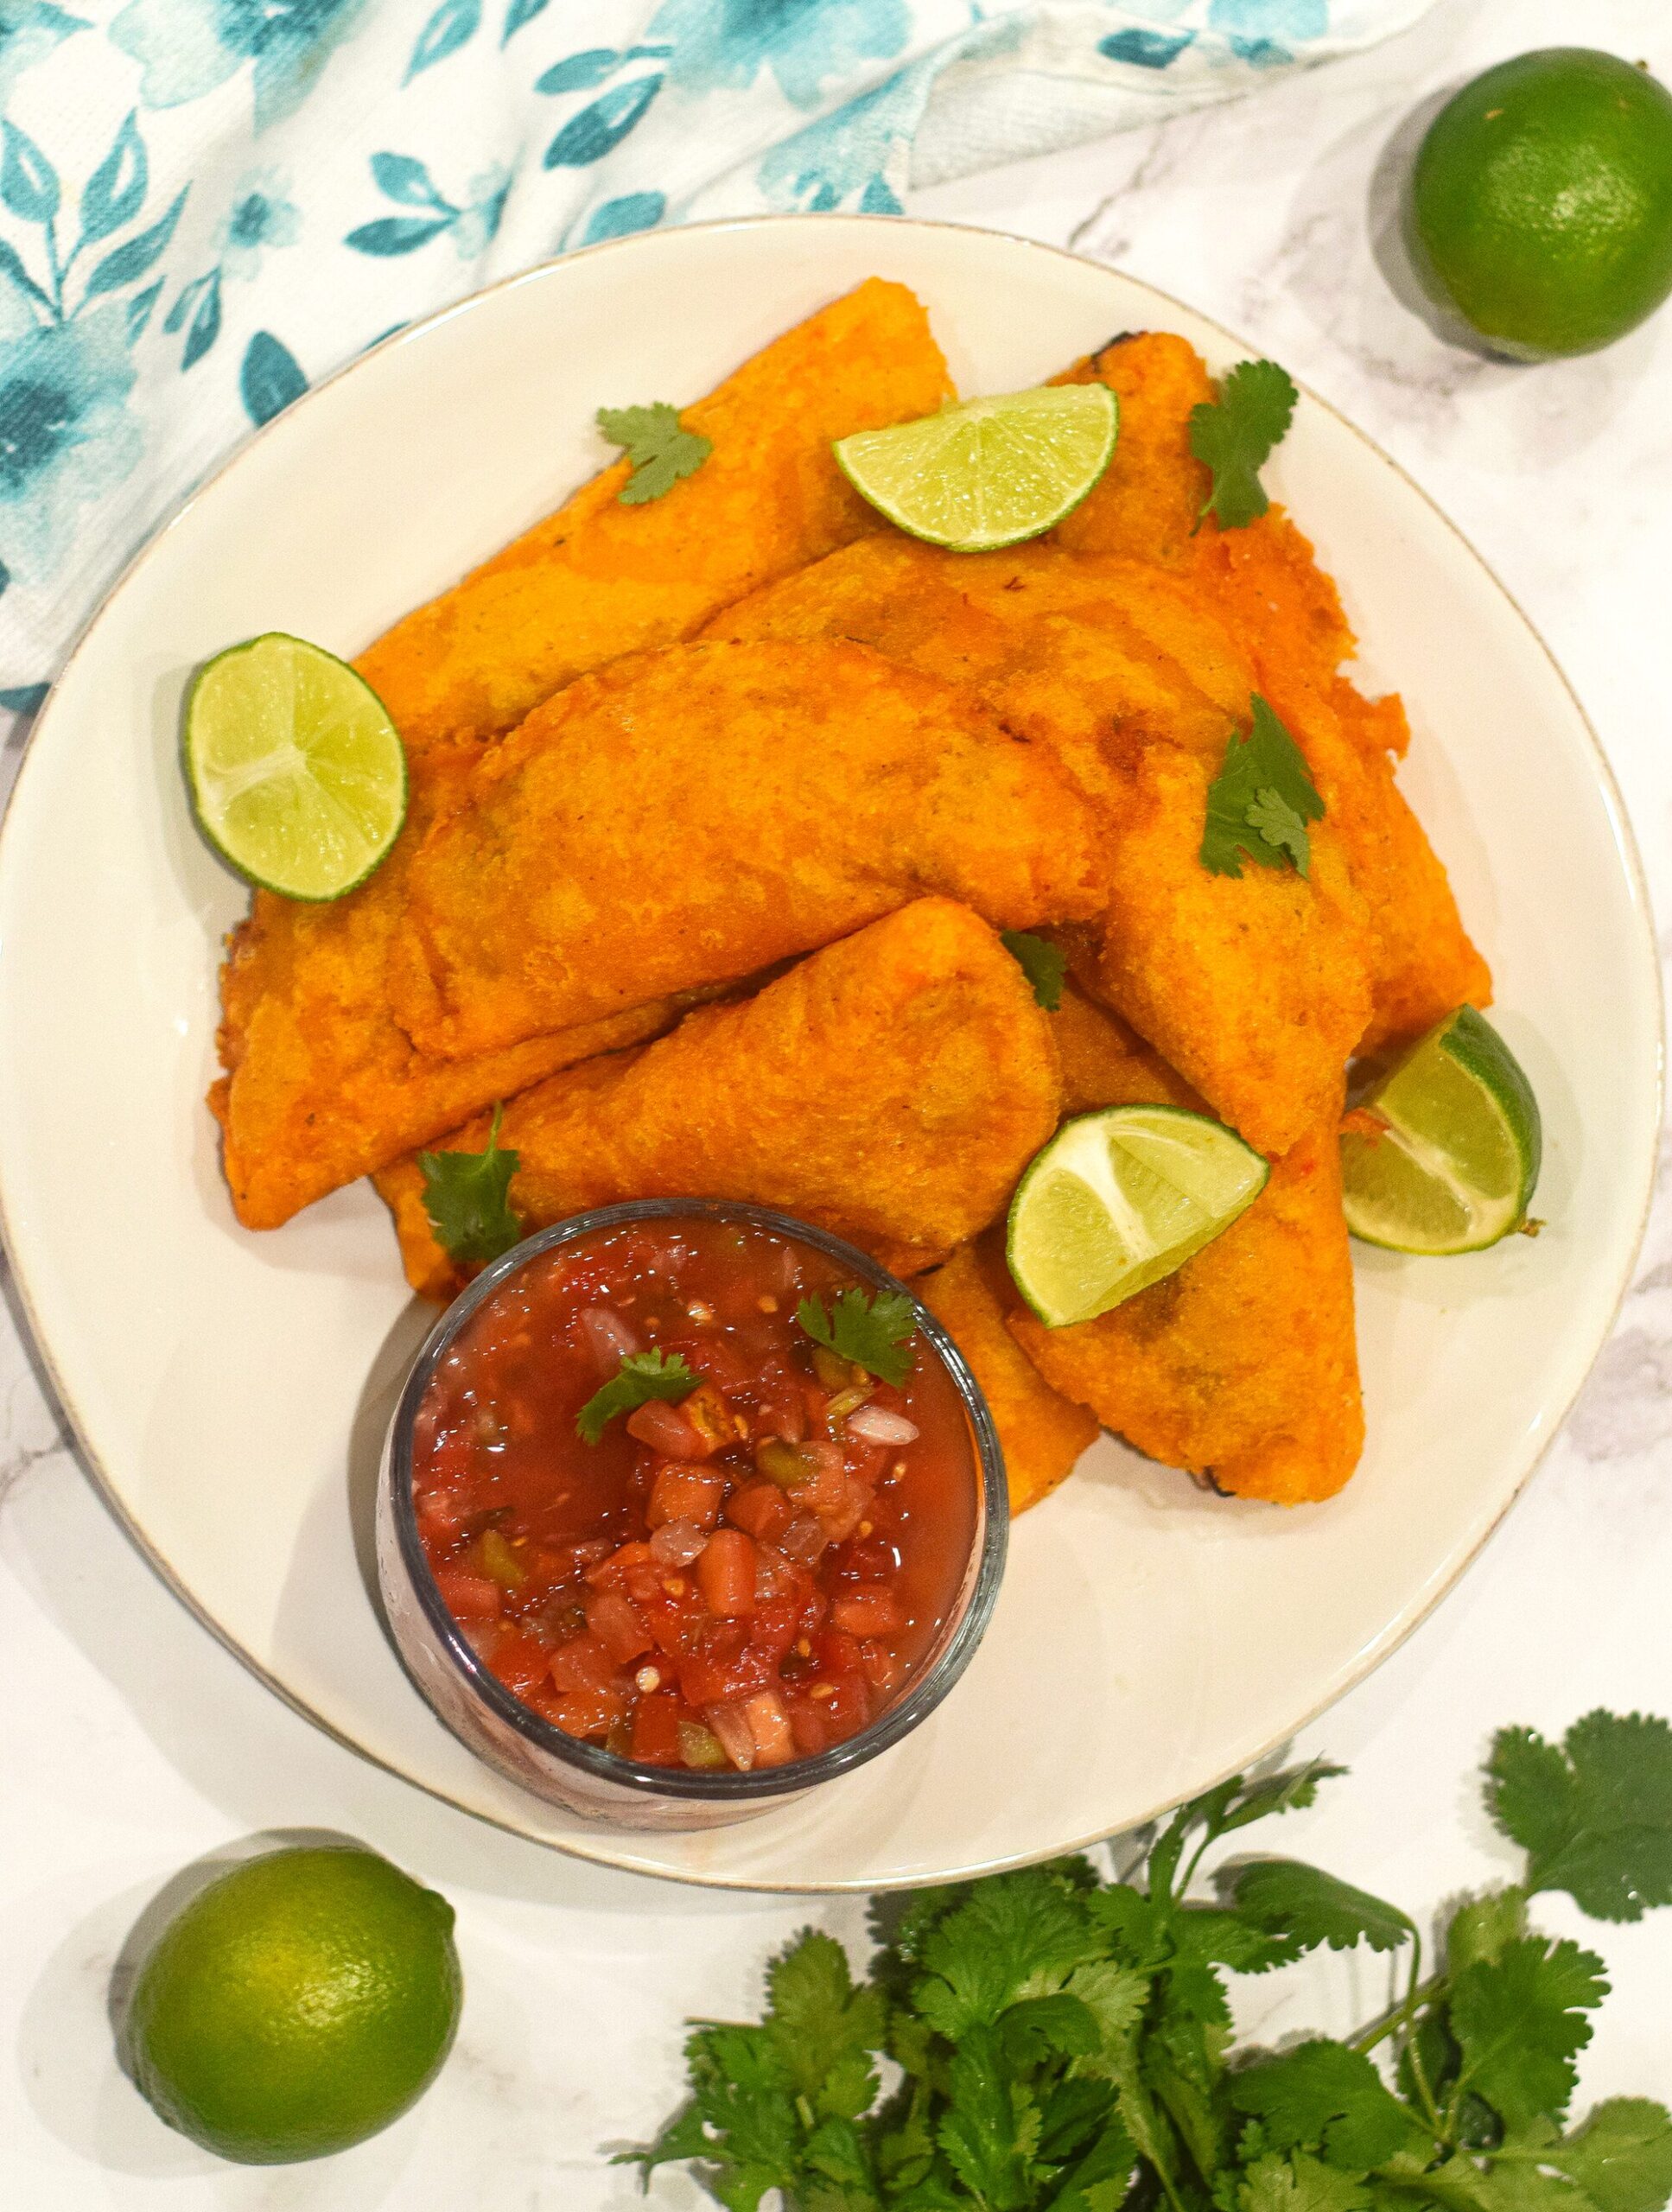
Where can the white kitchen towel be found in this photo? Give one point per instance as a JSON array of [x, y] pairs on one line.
[[206, 205]]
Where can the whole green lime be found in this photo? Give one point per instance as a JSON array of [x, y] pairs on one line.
[[1540, 202], [297, 2006]]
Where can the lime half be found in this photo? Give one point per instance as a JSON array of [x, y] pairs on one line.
[[990, 472], [1118, 1199], [1443, 1155], [297, 776]]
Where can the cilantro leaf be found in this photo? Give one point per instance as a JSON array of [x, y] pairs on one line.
[[657, 444], [1481, 1927], [1300, 2184], [1621, 2157], [1261, 801], [1283, 1897], [1519, 2020], [1041, 963], [1235, 436], [872, 1332], [1278, 825], [825, 2031], [642, 1376], [1016, 1935], [1323, 2096], [991, 2128], [466, 1196], [1594, 1814]]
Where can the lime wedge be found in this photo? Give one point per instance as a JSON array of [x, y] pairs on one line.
[[1118, 1199], [1443, 1154], [988, 472], [296, 775]]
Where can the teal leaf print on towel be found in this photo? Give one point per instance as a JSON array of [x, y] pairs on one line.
[[616, 219], [454, 24], [28, 182], [1145, 49], [600, 129], [24, 699], [722, 45], [269, 379], [201, 299], [189, 47], [845, 159], [408, 182], [66, 436], [517, 14], [260, 218], [114, 193], [127, 264], [30, 30], [140, 306], [581, 72]]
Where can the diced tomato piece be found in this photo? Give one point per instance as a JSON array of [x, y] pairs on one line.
[[725, 1574], [837, 1652], [468, 1597], [587, 1712], [609, 1573], [810, 1726], [848, 1708], [884, 1669], [761, 1509], [774, 1628], [521, 1663], [685, 1493], [666, 1429], [870, 1610], [674, 1617], [656, 1729], [769, 1723], [863, 1559], [724, 1668], [618, 1624], [581, 1664]]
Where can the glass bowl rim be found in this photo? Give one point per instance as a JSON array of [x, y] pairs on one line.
[[896, 1721]]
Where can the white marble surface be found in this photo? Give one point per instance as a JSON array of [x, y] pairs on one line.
[[130, 1743]]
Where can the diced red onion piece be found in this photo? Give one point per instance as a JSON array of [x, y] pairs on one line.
[[607, 1337], [769, 1726], [676, 1543], [803, 1540], [730, 1723], [774, 1575], [877, 1426]]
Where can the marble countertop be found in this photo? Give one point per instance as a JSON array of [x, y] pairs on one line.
[[130, 1743]]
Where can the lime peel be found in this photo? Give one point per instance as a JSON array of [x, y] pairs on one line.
[[296, 774], [1442, 1157], [1120, 1198], [985, 474]]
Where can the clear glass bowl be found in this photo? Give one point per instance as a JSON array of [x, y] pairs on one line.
[[528, 1749]]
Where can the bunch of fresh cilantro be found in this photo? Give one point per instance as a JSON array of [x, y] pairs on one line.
[[1047, 2041]]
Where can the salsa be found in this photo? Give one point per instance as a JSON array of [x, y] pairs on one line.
[[747, 1566]]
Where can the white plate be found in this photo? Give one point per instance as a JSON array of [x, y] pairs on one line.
[[228, 1390]]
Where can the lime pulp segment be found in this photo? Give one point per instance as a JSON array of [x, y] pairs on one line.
[[987, 473], [1452, 1165], [297, 776], [1120, 1198]]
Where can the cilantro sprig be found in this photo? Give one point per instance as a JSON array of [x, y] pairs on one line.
[[1261, 801], [658, 445], [641, 1377], [1040, 962], [1059, 2043], [1236, 435], [873, 1333], [466, 1196]]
